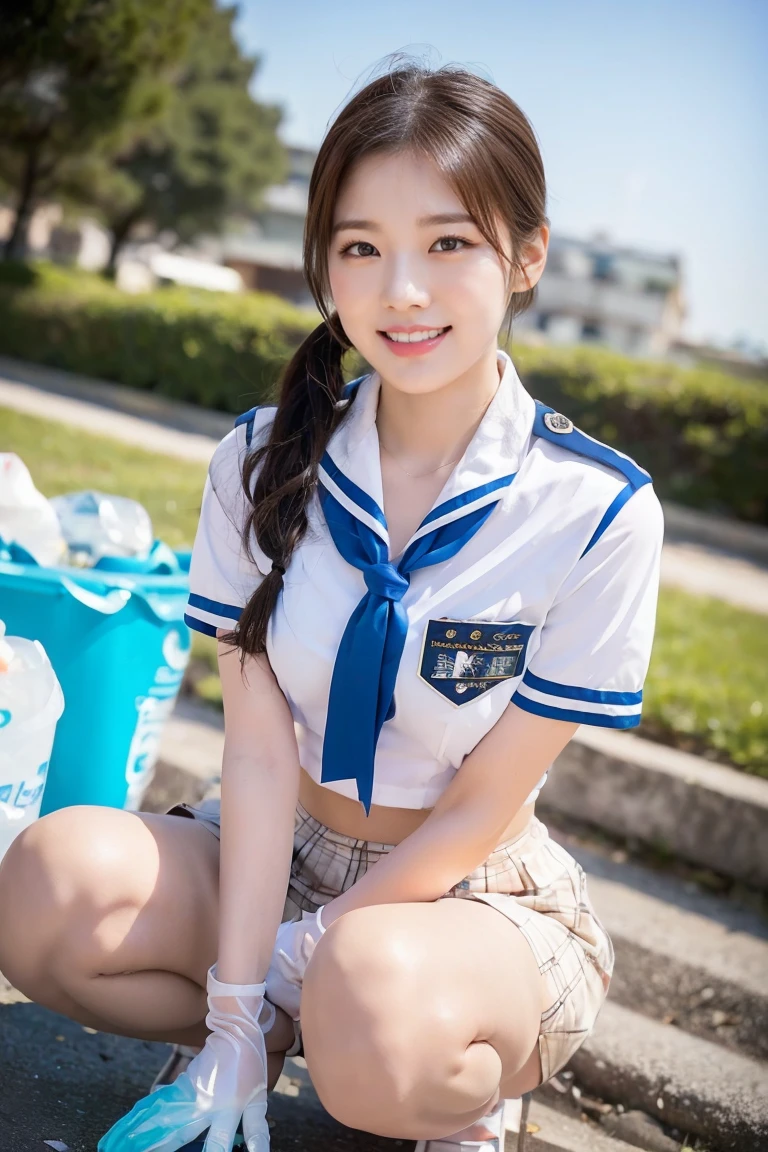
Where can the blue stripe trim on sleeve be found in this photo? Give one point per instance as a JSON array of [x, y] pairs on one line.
[[598, 719], [199, 625], [229, 610], [591, 695], [610, 513]]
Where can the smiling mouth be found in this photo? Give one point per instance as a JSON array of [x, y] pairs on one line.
[[415, 337]]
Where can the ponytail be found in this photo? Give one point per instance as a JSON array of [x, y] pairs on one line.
[[308, 412]]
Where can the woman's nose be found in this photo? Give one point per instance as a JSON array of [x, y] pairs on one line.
[[405, 284]]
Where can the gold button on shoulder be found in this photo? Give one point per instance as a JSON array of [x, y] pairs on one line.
[[556, 422]]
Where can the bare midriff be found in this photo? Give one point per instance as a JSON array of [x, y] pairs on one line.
[[383, 825]]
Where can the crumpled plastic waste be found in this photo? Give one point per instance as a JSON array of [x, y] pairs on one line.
[[97, 524], [26, 516]]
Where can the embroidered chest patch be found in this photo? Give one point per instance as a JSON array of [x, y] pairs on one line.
[[461, 659]]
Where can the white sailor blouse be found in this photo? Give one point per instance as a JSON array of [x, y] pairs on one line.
[[534, 578]]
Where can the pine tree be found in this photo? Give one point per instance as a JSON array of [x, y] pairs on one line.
[[71, 72]]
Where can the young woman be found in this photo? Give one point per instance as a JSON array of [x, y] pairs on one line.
[[422, 583]]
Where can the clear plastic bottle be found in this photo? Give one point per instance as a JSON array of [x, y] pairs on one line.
[[97, 524], [31, 702]]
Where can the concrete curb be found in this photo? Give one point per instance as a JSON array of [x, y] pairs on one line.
[[683, 956], [698, 1087], [697, 811], [151, 407], [719, 532]]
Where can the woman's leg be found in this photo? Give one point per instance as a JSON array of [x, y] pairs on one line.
[[417, 1018], [111, 918]]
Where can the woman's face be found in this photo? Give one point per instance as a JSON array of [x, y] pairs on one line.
[[392, 267]]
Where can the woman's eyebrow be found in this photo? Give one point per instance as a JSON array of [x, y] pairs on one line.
[[423, 222]]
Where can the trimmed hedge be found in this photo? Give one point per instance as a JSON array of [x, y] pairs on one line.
[[218, 349], [702, 435]]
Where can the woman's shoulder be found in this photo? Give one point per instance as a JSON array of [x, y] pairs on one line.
[[226, 465], [249, 424]]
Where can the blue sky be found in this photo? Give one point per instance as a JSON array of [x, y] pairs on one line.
[[652, 117]]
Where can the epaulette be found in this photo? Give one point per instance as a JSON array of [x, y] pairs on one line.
[[559, 429]]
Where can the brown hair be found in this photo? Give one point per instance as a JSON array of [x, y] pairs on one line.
[[484, 146]]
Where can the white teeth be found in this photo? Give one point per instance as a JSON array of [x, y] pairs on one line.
[[414, 337]]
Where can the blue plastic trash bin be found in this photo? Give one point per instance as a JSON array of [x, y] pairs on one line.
[[116, 637]]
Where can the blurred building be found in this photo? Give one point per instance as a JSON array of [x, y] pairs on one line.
[[266, 248], [592, 291]]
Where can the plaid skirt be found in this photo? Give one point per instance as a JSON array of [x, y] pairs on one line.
[[531, 879]]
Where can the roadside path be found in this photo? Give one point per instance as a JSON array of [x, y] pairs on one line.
[[691, 558]]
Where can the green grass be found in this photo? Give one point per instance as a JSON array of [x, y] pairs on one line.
[[707, 686]]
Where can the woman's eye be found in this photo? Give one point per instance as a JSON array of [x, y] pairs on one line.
[[453, 240], [357, 244]]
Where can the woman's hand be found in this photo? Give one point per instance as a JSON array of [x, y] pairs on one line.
[[225, 1082], [294, 945]]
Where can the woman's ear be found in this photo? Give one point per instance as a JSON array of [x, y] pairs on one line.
[[533, 260]]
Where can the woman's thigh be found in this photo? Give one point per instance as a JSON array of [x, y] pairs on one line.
[[97, 890]]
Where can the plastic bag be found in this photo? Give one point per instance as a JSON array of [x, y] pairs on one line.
[[26, 517], [31, 702]]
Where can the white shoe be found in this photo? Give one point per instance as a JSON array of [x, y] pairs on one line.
[[488, 1133]]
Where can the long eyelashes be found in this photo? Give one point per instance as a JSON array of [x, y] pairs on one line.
[[446, 251]]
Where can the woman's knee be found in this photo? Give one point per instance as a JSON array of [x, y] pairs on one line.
[[379, 1033]]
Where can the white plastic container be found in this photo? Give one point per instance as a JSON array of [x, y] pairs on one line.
[[31, 702]]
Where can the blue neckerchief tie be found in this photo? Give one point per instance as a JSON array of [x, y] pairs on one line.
[[363, 682]]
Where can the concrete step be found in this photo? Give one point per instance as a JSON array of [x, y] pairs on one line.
[[683, 956], [707, 814], [550, 1131], [689, 1083]]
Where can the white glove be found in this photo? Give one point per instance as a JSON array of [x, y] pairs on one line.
[[227, 1080], [294, 945]]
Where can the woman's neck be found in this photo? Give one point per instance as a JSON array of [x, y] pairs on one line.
[[424, 430]]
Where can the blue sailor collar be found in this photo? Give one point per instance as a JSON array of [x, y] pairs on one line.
[[351, 468]]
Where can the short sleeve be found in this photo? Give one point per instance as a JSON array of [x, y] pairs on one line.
[[222, 578], [597, 636]]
